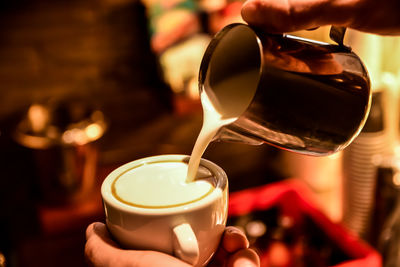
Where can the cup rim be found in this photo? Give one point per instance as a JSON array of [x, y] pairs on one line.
[[111, 200]]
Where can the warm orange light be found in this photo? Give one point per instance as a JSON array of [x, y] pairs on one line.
[[38, 117], [93, 131]]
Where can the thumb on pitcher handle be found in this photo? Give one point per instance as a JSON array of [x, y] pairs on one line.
[[185, 244]]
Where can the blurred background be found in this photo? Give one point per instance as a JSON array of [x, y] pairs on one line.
[[86, 86]]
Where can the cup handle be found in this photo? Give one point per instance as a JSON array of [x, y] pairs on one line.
[[185, 244]]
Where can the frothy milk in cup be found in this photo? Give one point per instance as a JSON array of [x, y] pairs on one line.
[[160, 185]]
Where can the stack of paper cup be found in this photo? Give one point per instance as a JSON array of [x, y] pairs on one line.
[[360, 170]]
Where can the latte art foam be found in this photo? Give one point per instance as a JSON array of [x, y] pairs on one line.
[[160, 185]]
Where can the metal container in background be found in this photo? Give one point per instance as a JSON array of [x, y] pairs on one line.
[[62, 135]]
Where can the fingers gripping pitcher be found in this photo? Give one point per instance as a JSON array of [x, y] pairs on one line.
[[297, 94]]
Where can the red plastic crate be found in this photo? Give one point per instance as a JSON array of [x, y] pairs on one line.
[[293, 199]]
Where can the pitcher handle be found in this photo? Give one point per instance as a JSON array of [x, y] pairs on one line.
[[337, 33]]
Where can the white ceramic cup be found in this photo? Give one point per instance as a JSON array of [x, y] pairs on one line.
[[190, 231]]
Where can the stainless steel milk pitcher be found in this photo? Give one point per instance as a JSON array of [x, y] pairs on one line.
[[297, 94]]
